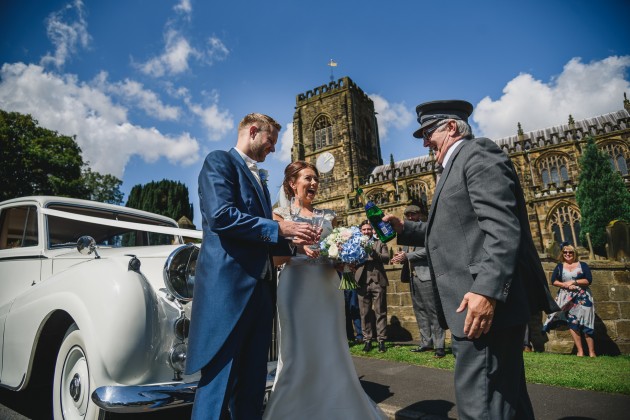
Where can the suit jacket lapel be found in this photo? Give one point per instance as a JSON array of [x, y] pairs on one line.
[[262, 195]]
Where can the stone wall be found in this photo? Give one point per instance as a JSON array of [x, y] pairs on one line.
[[611, 293]]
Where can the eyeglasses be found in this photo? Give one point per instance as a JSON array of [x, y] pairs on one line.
[[426, 134], [568, 252]]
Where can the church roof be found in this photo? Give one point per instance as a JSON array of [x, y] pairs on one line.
[[618, 120]]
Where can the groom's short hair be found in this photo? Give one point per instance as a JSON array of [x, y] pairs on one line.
[[263, 119]]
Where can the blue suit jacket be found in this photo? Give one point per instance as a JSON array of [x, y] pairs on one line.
[[238, 239]]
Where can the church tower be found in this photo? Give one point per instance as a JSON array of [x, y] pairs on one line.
[[335, 125]]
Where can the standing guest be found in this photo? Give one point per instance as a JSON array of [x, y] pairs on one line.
[[372, 281], [232, 312], [422, 298], [573, 278], [353, 316], [484, 267]]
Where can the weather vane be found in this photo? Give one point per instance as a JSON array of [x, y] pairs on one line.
[[332, 63]]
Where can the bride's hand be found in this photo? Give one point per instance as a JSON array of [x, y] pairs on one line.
[[312, 253]]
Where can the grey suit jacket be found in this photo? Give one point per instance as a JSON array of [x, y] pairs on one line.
[[478, 239], [419, 263]]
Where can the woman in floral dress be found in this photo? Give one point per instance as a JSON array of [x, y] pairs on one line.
[[575, 300]]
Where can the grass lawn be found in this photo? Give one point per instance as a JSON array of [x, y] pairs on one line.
[[604, 373]]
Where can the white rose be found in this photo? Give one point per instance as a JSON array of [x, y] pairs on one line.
[[333, 251]]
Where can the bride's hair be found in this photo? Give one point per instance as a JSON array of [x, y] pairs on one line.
[[291, 173]]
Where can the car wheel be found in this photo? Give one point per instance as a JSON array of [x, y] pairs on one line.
[[73, 385]]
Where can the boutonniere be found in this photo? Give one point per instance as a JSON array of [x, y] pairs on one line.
[[264, 176]]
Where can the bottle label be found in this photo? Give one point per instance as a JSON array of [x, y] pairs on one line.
[[386, 228]]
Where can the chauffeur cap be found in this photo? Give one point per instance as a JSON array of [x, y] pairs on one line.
[[412, 209], [430, 113]]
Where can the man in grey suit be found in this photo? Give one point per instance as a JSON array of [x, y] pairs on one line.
[[485, 269], [416, 272]]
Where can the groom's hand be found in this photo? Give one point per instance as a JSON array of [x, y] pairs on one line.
[[302, 233]]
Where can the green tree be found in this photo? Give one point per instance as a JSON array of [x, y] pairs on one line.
[[38, 161], [103, 188], [601, 195], [168, 198]]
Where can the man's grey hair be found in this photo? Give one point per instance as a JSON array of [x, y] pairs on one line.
[[463, 128]]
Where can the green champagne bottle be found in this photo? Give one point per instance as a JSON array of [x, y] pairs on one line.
[[384, 230]]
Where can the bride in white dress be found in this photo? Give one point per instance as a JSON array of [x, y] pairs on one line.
[[315, 378]]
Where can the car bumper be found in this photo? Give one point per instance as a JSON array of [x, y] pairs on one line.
[[145, 398]]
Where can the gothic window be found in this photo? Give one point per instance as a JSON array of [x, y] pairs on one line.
[[418, 192], [617, 159], [565, 225], [553, 169], [378, 197], [323, 132]]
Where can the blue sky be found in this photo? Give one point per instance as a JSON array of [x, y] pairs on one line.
[[150, 87]]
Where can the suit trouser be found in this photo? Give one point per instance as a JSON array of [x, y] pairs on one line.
[[353, 315], [237, 375], [490, 376], [425, 310], [374, 294]]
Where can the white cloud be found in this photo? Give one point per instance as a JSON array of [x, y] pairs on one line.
[[102, 130], [66, 33], [285, 145], [390, 115], [216, 121], [178, 52], [134, 93], [174, 59], [184, 7], [215, 51], [581, 90]]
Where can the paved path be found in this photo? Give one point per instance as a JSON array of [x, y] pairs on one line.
[[413, 392], [404, 392]]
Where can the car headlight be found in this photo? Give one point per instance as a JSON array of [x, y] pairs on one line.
[[179, 272]]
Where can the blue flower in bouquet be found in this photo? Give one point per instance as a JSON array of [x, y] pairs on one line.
[[347, 245]]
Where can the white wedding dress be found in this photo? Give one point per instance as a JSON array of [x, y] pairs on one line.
[[315, 378]]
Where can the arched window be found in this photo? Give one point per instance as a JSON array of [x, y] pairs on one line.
[[617, 159], [378, 197], [323, 132], [565, 225], [553, 169], [418, 192]]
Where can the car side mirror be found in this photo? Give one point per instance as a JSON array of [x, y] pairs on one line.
[[86, 245]]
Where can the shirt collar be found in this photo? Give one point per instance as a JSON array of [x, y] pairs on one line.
[[450, 151], [249, 161]]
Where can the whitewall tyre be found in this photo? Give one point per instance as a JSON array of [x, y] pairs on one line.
[[73, 384]]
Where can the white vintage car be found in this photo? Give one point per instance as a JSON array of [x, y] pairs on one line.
[[94, 300]]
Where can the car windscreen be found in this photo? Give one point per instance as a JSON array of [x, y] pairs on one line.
[[64, 232]]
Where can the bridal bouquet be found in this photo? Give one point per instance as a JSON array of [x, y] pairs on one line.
[[349, 246]]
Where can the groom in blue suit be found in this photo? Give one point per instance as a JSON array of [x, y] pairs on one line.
[[232, 313]]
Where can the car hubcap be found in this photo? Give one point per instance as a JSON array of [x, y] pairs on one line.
[[75, 387], [75, 384]]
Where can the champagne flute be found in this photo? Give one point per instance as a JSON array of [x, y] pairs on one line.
[[295, 206], [317, 221]]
